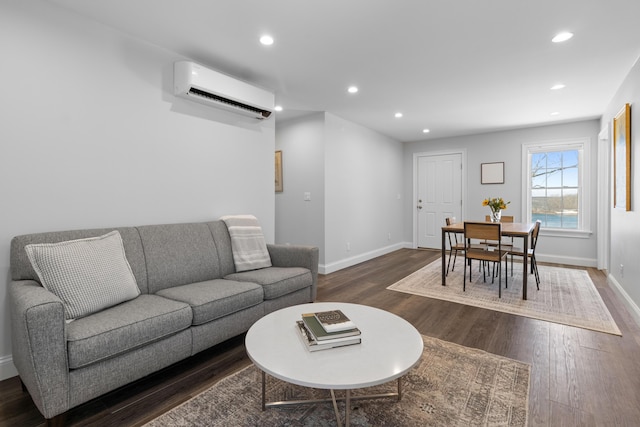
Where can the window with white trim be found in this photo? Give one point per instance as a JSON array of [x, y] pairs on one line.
[[556, 186]]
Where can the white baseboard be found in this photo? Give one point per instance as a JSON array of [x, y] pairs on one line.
[[357, 259], [348, 262], [7, 370], [630, 304], [559, 259]]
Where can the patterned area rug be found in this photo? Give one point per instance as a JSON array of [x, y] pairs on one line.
[[451, 386], [566, 296]]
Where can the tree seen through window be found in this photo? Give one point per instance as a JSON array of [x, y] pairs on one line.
[[555, 188]]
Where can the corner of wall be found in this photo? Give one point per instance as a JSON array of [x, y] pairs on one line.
[[7, 368]]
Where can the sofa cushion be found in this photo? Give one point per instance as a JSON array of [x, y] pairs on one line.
[[276, 281], [88, 275], [126, 326], [178, 254], [247, 242], [216, 298], [222, 240]]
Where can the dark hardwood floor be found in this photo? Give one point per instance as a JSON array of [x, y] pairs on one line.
[[579, 377]]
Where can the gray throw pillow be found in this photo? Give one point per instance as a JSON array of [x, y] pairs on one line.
[[88, 275]]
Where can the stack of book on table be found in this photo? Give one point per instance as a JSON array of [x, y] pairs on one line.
[[327, 329]]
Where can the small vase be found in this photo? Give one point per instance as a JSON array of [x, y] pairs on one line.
[[496, 215]]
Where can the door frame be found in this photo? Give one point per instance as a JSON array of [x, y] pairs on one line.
[[463, 154]]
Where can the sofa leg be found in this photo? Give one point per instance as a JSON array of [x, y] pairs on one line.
[[57, 421]]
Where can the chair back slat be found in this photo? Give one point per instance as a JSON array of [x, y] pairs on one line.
[[449, 221], [482, 230], [503, 218], [534, 235]]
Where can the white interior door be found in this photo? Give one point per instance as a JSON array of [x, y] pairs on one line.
[[439, 195]]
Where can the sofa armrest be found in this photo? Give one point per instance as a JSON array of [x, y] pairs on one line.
[[39, 345], [296, 256]]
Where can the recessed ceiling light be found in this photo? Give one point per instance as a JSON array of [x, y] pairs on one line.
[[352, 89], [398, 115], [425, 131], [555, 113], [278, 108], [562, 37], [558, 86], [266, 40]]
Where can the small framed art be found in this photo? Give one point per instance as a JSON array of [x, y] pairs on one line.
[[279, 185], [622, 159], [492, 173]]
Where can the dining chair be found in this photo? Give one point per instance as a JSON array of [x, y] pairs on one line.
[[531, 253], [504, 218], [484, 253], [454, 245], [507, 242]]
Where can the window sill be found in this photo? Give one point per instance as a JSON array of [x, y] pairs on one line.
[[573, 234]]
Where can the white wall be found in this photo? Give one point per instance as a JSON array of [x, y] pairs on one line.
[[507, 147], [300, 221], [355, 178], [363, 193], [92, 136], [625, 225]]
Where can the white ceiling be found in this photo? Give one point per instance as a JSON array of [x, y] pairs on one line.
[[453, 66]]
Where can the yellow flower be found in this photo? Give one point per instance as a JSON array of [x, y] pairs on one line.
[[495, 204]]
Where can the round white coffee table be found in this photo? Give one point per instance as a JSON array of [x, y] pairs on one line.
[[390, 347]]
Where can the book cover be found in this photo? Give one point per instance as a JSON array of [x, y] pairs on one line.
[[334, 321], [320, 334]]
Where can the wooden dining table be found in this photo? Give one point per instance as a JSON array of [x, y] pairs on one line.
[[510, 229]]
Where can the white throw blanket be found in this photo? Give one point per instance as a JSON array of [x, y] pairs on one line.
[[247, 242]]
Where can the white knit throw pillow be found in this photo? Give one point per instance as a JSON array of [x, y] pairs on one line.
[[88, 275]]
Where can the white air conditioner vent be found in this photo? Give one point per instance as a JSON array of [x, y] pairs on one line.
[[209, 87], [232, 104]]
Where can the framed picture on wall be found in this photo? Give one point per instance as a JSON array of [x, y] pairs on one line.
[[622, 159], [492, 173], [279, 185]]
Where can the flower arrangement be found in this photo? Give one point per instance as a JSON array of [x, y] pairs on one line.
[[496, 204]]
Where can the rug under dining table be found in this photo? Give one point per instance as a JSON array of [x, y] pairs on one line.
[[566, 296]]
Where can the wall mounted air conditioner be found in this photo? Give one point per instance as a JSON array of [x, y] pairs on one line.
[[209, 87]]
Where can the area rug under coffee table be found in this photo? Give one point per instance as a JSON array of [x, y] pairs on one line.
[[566, 295], [451, 386]]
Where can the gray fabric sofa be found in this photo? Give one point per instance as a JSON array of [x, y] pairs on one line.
[[191, 299]]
